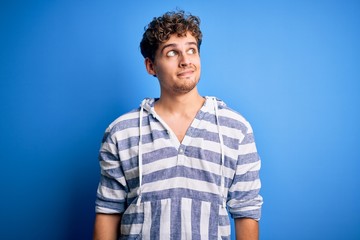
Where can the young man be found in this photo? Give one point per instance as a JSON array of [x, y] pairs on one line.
[[175, 167]]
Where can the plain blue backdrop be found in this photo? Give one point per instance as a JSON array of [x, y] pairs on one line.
[[69, 68]]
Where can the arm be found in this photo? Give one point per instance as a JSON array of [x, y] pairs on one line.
[[246, 229], [244, 199], [107, 226], [111, 192]]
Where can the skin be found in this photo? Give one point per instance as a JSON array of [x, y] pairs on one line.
[[177, 67], [246, 229], [107, 226]]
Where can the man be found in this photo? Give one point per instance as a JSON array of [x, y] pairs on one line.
[[175, 167]]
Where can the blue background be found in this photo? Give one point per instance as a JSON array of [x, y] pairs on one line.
[[69, 68]]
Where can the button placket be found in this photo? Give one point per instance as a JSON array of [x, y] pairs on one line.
[[181, 156]]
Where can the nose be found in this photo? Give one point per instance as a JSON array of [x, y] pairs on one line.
[[184, 60]]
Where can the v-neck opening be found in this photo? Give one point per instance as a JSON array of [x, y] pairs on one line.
[[194, 123]]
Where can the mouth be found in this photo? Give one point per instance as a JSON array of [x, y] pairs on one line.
[[186, 73]]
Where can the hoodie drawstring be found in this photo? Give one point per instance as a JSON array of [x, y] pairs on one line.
[[140, 151], [222, 187]]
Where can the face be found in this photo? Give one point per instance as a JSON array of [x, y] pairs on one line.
[[176, 65]]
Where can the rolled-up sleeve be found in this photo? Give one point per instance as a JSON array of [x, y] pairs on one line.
[[244, 200], [112, 188]]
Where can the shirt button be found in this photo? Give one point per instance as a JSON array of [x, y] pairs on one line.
[[181, 151]]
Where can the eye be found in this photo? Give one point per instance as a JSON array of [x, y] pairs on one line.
[[171, 53], [191, 51]]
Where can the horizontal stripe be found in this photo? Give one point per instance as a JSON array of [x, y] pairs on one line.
[[108, 152], [205, 134], [126, 124], [245, 205], [206, 155], [211, 156], [192, 163], [249, 138], [243, 195], [247, 148], [244, 168], [150, 154], [180, 182], [230, 146], [128, 143], [111, 194], [159, 154], [160, 144], [247, 177], [247, 186], [133, 229], [134, 132], [175, 182], [106, 206], [106, 209], [182, 192], [147, 138], [130, 115], [254, 214], [134, 183], [226, 121], [184, 172], [111, 183], [227, 131], [163, 163], [131, 237], [132, 218], [113, 173], [248, 158]]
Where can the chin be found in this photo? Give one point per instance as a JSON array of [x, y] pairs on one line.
[[186, 88]]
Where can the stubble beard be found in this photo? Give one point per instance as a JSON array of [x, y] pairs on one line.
[[185, 86]]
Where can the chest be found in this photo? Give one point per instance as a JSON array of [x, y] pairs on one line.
[[166, 161], [179, 126]]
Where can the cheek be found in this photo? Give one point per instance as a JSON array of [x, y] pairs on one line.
[[162, 72], [168, 67], [196, 61]]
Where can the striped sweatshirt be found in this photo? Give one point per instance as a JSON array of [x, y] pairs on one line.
[[166, 189]]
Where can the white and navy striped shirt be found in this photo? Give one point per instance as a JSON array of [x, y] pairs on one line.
[[179, 190]]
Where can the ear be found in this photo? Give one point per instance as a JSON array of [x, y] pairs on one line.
[[150, 67]]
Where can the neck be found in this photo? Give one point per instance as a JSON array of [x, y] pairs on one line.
[[181, 104]]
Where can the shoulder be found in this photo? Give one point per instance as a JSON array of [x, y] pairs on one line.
[[232, 117], [118, 126], [130, 120], [125, 119]]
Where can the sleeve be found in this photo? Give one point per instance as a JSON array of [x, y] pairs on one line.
[[112, 188], [244, 200]]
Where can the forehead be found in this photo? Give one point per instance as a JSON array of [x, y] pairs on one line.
[[178, 40]]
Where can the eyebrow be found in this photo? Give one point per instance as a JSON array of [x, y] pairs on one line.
[[174, 45]]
